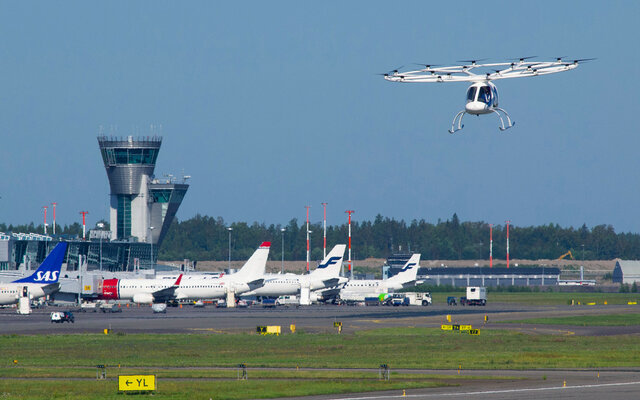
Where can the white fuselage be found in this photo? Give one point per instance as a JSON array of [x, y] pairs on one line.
[[358, 290], [11, 292], [285, 284]]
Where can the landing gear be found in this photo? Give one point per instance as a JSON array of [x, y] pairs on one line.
[[458, 117], [457, 125], [497, 110]]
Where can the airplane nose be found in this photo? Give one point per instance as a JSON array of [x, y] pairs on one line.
[[475, 107]]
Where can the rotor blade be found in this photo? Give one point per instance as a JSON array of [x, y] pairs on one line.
[[472, 61], [583, 59], [559, 59], [521, 59], [428, 65]]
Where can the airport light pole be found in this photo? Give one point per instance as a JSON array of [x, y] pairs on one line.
[[490, 245], [45, 219], [151, 228], [307, 207], [324, 225], [229, 229], [508, 221], [282, 231], [101, 226], [54, 217]]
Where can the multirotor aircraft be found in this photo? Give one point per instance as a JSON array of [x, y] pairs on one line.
[[482, 95]]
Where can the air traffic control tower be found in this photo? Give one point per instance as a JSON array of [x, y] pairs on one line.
[[142, 207]]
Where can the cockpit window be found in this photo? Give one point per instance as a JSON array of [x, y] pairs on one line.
[[485, 94], [471, 94]]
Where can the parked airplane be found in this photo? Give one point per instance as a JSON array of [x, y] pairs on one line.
[[198, 286], [357, 290], [327, 274], [42, 282]]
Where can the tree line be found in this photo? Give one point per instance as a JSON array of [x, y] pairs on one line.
[[207, 238]]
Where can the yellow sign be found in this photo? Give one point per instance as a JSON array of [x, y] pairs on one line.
[[136, 382], [465, 327], [474, 331], [87, 288], [446, 327]]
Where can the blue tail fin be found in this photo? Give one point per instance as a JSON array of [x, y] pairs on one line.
[[49, 270]]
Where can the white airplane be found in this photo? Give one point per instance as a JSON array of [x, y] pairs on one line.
[[185, 287], [42, 282], [327, 274], [357, 290]]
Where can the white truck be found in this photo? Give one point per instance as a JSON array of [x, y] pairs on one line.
[[418, 298], [476, 296]]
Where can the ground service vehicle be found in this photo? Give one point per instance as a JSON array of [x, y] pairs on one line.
[[476, 296], [288, 301], [451, 301], [60, 317], [399, 299], [418, 298]]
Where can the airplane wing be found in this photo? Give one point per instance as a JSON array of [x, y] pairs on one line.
[[258, 283], [167, 294], [331, 282], [51, 288], [409, 284]]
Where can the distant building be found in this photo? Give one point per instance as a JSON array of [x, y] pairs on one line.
[[484, 276], [626, 271]]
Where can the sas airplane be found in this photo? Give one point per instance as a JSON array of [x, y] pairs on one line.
[[326, 275], [42, 282], [357, 290], [185, 287]]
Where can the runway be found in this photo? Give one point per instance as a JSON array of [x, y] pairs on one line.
[[313, 319]]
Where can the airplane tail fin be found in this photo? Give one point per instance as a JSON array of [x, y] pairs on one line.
[[255, 266], [409, 272], [330, 266], [49, 270]]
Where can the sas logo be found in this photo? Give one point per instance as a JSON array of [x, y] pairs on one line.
[[49, 276], [331, 261], [408, 267]]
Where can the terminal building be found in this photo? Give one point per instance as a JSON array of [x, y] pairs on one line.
[[483, 276]]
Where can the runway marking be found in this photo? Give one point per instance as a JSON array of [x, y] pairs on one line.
[[399, 396]]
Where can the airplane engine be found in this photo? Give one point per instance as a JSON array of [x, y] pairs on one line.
[[143, 298], [314, 297]]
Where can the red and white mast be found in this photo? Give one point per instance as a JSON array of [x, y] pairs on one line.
[[84, 224], [350, 270], [324, 226]]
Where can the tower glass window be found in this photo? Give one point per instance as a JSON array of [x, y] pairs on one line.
[[124, 216]]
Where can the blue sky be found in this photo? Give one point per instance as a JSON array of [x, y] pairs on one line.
[[271, 106]]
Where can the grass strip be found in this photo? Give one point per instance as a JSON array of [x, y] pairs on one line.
[[583, 320], [420, 348]]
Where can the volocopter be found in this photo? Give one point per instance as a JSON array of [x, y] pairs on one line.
[[482, 95]]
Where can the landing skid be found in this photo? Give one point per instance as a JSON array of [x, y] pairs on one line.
[[457, 125]]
